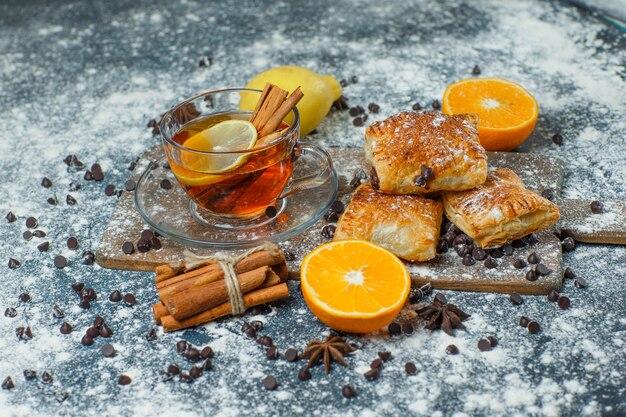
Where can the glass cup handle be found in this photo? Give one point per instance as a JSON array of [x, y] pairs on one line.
[[324, 169]]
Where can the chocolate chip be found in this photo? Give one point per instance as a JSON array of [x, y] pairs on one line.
[[31, 222], [568, 244], [441, 298], [534, 258], [484, 345], [569, 273], [516, 299], [72, 243], [531, 275], [29, 374], [46, 378], [407, 328], [479, 254], [260, 310], [109, 190], [373, 107], [207, 365], [92, 332], [557, 138], [78, 287], [165, 184], [14, 263], [542, 270], [39, 233], [90, 293], [155, 242], [24, 297], [130, 185], [173, 370], [496, 253], [108, 351], [328, 231], [129, 299], [416, 106], [355, 182], [143, 245], [548, 194], [520, 263], [452, 350], [597, 207], [490, 263], [60, 262], [580, 282], [442, 246], [51, 201], [291, 355], [105, 331], [436, 105], [124, 380], [192, 354], [523, 321], [462, 250], [269, 382], [461, 239], [57, 312], [206, 352], [70, 200], [185, 377], [10, 217], [272, 352], [468, 260], [553, 296], [476, 70], [507, 249], [181, 346], [530, 239], [66, 328], [98, 322], [271, 211], [385, 356], [534, 327], [372, 374], [563, 302], [493, 341], [358, 121], [10, 312], [88, 176], [331, 216], [88, 258], [128, 248], [394, 328], [8, 383], [518, 243], [377, 364], [151, 335], [115, 296], [265, 341], [304, 374], [348, 391], [195, 372], [84, 303], [354, 111], [27, 235], [86, 340]]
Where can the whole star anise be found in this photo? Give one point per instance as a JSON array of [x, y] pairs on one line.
[[444, 316], [332, 349]]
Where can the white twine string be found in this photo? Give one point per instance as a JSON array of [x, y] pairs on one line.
[[227, 263]]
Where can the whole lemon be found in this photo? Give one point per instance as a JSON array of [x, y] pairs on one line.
[[320, 91]]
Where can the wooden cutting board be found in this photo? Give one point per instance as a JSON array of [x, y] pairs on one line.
[[446, 271]]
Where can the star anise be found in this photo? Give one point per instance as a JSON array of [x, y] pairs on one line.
[[444, 316], [332, 349]]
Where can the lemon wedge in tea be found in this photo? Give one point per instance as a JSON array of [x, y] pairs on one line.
[[227, 136]]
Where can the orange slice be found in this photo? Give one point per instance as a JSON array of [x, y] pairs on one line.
[[508, 113], [353, 285]]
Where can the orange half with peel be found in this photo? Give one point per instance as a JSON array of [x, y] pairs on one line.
[[508, 113], [353, 285]]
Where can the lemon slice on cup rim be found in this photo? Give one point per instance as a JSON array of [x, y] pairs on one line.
[[218, 151]]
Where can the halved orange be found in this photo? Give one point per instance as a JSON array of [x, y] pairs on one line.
[[353, 285], [508, 113]]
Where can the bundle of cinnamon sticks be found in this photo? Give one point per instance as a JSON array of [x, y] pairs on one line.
[[270, 110], [200, 295]]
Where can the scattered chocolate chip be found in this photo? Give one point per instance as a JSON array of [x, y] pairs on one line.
[[185, 377], [304, 374], [132, 166], [8, 383], [14, 263], [66, 328], [265, 341], [70, 200], [88, 176], [496, 253], [580, 282], [490, 263], [206, 352], [195, 372], [165, 184], [39, 233], [27, 235], [46, 378], [98, 322], [10, 312], [372, 374], [86, 340], [385, 356], [129, 299], [291, 355], [468, 260], [124, 380], [115, 296], [57, 313], [84, 303], [78, 287], [90, 293], [29, 374], [493, 341], [105, 331], [128, 248], [534, 327], [373, 107], [207, 365], [394, 328], [569, 273], [182, 346], [407, 328], [436, 105], [416, 106], [507, 249], [520, 263], [476, 70], [272, 352], [542, 270], [479, 254], [92, 332], [72, 243], [109, 190], [348, 391], [553, 296], [191, 354], [484, 345], [155, 242], [462, 249], [516, 299], [51, 201], [143, 245], [337, 206], [568, 244], [10, 217], [24, 297], [377, 364], [269, 382], [271, 211], [358, 121], [452, 350], [31, 222], [108, 351], [173, 369], [328, 231], [60, 262], [151, 335], [523, 321], [531, 275], [441, 298], [563, 302], [130, 185], [530, 239], [597, 207], [548, 194], [88, 258], [557, 138]]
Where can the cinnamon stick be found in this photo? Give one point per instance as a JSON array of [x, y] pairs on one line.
[[268, 106], [203, 297], [261, 296], [280, 113], [159, 310], [165, 271]]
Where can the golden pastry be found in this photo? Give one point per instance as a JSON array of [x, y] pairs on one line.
[[500, 210], [416, 153], [407, 225]]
